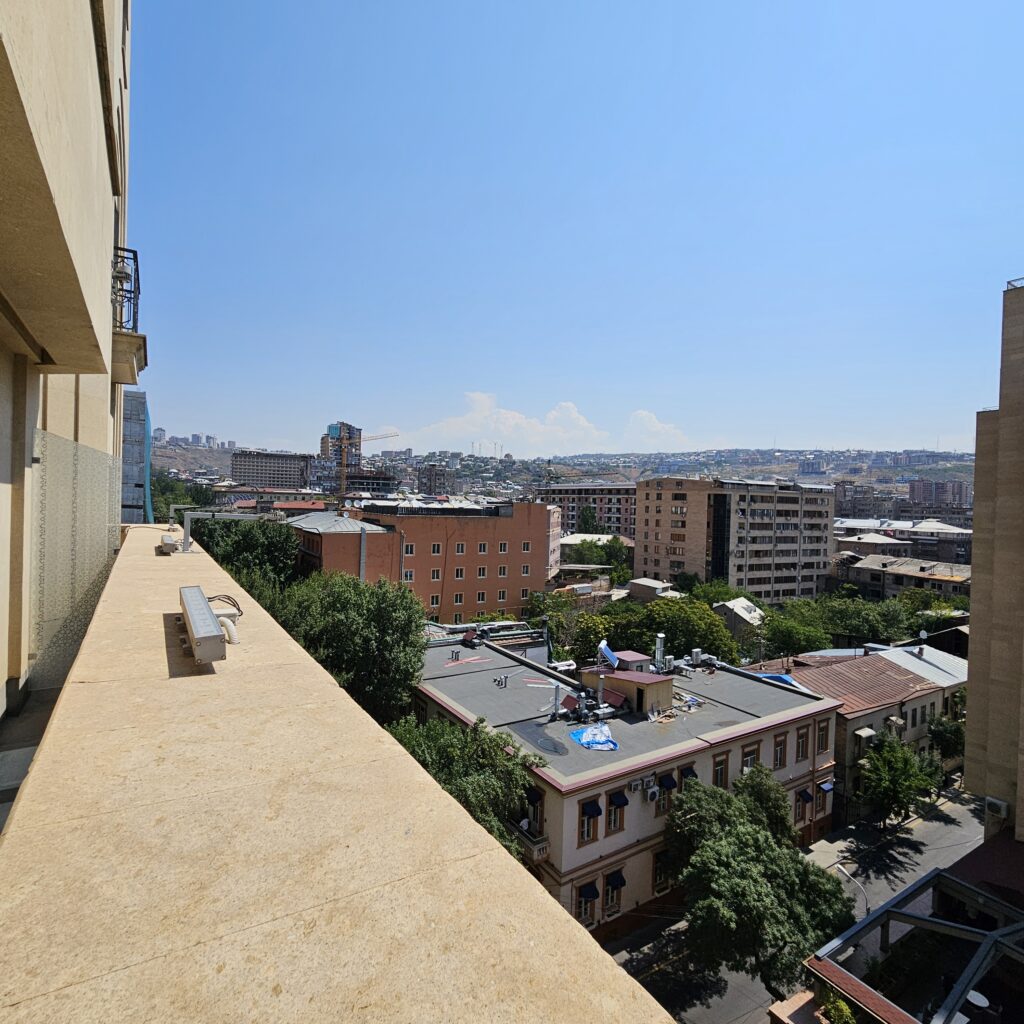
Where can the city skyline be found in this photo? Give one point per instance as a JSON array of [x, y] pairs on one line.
[[574, 228]]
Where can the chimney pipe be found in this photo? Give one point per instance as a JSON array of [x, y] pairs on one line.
[[600, 690], [558, 701], [659, 651]]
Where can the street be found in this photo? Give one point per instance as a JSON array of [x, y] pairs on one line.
[[881, 865]]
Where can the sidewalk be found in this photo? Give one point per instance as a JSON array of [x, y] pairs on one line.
[[862, 835]]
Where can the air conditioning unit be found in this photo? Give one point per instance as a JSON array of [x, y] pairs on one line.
[[649, 783], [996, 808], [636, 785], [670, 663], [652, 794]]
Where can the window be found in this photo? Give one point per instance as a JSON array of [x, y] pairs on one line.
[[720, 771], [662, 881], [407, 575], [458, 599], [502, 595], [751, 755], [526, 569], [502, 547], [664, 801], [614, 883], [481, 596], [435, 574], [615, 820], [590, 811], [586, 902], [410, 549], [802, 742], [779, 760], [435, 600], [823, 736], [460, 573], [536, 812], [913, 718], [482, 547], [481, 572], [819, 801], [435, 549], [457, 619], [799, 808], [502, 570], [526, 545], [524, 593], [931, 710], [460, 548]]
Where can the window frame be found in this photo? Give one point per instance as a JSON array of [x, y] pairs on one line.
[[747, 748], [435, 548], [619, 813], [589, 918], [827, 725], [803, 737], [784, 738], [593, 828], [723, 761]]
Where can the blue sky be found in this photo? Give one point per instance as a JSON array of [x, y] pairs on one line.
[[576, 226]]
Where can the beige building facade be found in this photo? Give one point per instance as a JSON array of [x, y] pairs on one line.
[[994, 763], [69, 331], [773, 540]]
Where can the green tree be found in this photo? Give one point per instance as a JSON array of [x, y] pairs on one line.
[[894, 778], [837, 1010], [948, 735], [783, 636], [698, 814], [758, 908], [766, 804], [714, 591], [687, 624], [589, 631], [167, 490], [958, 702], [369, 636], [485, 771], [586, 521], [255, 546]]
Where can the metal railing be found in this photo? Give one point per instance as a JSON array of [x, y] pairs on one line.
[[125, 289], [1016, 283]]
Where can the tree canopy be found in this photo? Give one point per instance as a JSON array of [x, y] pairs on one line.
[[948, 735], [485, 771], [269, 549], [167, 490], [895, 777]]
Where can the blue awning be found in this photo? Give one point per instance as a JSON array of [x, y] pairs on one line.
[[615, 880], [689, 772], [667, 781], [825, 787], [588, 891], [805, 795], [591, 809], [619, 799], [533, 795]]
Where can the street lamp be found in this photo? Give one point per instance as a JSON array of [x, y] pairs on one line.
[[867, 902]]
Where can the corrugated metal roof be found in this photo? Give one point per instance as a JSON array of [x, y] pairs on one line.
[[331, 522]]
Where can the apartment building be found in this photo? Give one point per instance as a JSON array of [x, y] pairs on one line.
[[593, 820], [136, 468], [342, 437], [928, 538], [995, 725], [614, 505], [270, 469], [881, 576], [460, 558], [773, 539], [69, 325], [941, 492], [435, 478]]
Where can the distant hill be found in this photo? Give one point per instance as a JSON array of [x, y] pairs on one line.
[[192, 460]]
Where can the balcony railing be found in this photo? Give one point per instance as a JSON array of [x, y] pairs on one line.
[[536, 848], [125, 289], [1017, 282]]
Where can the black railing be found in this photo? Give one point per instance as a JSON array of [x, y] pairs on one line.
[[124, 290], [1016, 283]]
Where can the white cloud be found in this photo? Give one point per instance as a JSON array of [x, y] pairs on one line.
[[563, 430]]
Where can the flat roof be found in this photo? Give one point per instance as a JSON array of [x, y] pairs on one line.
[[732, 702], [331, 522]]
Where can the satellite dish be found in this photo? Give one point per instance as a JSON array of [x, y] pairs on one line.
[[348, 503], [923, 634]]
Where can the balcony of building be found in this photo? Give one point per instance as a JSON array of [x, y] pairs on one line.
[[536, 848], [128, 357], [239, 841]]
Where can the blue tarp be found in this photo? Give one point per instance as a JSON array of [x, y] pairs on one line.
[[777, 677], [595, 737]]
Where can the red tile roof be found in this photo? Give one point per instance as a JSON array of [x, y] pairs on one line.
[[864, 683], [311, 506], [856, 991]]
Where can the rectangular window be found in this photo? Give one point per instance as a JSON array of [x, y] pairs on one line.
[[481, 596], [823, 736], [457, 619], [460, 573], [502, 547], [410, 549], [502, 595], [802, 740], [435, 574], [819, 802], [751, 755], [524, 593], [481, 572], [435, 549], [526, 569], [799, 808], [526, 545], [586, 902], [589, 812], [435, 600], [931, 710], [720, 771], [615, 819], [664, 801], [460, 548], [662, 880], [482, 547], [612, 889], [779, 760], [502, 570], [407, 575], [458, 599], [913, 718]]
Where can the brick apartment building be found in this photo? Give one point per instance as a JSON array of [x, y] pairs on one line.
[[270, 469], [613, 504], [459, 558], [771, 539], [941, 492]]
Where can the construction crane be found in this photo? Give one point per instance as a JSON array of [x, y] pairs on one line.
[[343, 446]]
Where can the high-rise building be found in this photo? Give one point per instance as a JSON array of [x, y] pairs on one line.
[[197, 439], [434, 478], [772, 539], [69, 325], [159, 435], [614, 505], [136, 503], [994, 764], [343, 437], [270, 469]]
